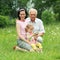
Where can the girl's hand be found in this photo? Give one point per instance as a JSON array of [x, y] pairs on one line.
[[28, 42], [33, 34]]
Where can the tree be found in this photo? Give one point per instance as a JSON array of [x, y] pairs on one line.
[[5, 7], [41, 5], [57, 8], [9, 7]]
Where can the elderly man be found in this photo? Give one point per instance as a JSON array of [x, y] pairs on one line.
[[37, 23]]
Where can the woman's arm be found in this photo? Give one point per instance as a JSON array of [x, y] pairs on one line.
[[19, 35]]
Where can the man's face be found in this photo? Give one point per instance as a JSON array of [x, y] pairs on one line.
[[32, 15]]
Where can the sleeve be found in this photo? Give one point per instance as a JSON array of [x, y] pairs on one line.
[[42, 30], [17, 22]]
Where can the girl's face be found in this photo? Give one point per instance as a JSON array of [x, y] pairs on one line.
[[22, 14], [30, 30]]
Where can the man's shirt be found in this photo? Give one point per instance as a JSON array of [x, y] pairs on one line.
[[38, 25]]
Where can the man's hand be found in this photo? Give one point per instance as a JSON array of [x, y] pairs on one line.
[[40, 34]]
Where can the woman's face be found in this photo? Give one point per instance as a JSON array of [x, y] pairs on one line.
[[32, 15], [22, 14]]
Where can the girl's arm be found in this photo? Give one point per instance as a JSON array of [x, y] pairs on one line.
[[29, 37]]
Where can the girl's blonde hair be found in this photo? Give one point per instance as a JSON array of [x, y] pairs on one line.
[[29, 26]]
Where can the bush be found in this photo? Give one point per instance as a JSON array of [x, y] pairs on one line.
[[12, 22], [6, 21], [48, 16]]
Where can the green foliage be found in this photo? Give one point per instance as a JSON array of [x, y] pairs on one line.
[[12, 22], [6, 21], [41, 5], [5, 7], [48, 16], [22, 3], [9, 7], [57, 9]]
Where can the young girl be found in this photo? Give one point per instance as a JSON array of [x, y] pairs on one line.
[[32, 37]]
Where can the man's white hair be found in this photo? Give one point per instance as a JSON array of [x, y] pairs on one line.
[[32, 9]]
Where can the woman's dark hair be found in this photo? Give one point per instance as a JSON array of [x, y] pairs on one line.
[[20, 11]]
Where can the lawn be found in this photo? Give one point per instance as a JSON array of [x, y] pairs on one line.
[[51, 45]]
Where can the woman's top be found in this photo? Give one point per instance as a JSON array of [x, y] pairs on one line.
[[22, 25]]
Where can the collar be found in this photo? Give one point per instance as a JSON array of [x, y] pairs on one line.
[[33, 22]]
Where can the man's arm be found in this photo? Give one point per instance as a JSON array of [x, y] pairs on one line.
[[42, 30], [41, 34]]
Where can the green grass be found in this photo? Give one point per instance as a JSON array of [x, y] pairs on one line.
[[51, 45]]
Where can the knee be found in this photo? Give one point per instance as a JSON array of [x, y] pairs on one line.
[[39, 39]]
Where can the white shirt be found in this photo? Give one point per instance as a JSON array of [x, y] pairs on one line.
[[38, 25]]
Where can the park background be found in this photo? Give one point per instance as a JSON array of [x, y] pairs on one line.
[[48, 12]]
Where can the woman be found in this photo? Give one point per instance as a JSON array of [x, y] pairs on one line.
[[22, 42]]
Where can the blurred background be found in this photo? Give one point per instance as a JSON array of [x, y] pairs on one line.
[[48, 10]]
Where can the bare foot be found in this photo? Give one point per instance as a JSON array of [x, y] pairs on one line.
[[18, 48]]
